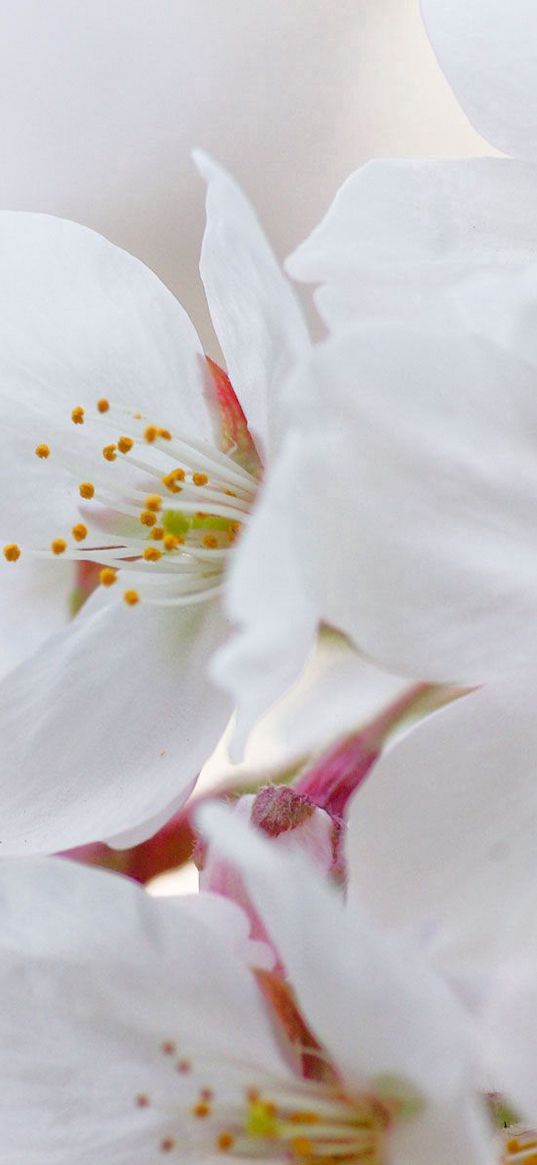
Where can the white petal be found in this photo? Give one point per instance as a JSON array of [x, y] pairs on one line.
[[267, 599], [34, 603], [430, 240], [82, 319], [96, 975], [254, 311], [380, 1010], [441, 836], [487, 49], [413, 527], [107, 724]]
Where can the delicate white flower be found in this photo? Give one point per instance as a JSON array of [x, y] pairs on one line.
[[134, 1025], [487, 49], [119, 446]]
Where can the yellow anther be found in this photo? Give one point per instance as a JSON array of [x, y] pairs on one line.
[[200, 478], [165, 434], [225, 1141], [304, 1118], [42, 450], [125, 444], [110, 452], [152, 554], [170, 481], [108, 576], [147, 518], [131, 598], [103, 405], [79, 532], [210, 541], [172, 541], [157, 533], [201, 1109], [301, 1146], [11, 552], [151, 433], [77, 415], [153, 502], [513, 1145], [58, 545], [86, 489]]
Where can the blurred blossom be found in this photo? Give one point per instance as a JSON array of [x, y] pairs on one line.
[[152, 1019]]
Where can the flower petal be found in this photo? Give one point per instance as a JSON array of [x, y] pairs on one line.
[[381, 1010], [107, 724], [487, 50], [96, 977], [79, 320], [34, 603], [413, 530], [441, 837], [428, 240], [254, 311]]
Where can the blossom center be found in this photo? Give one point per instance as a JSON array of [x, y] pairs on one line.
[[160, 510]]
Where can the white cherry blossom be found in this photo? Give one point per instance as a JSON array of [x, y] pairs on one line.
[[115, 431], [133, 1029]]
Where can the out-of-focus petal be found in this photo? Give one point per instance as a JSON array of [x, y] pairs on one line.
[[487, 50], [441, 838]]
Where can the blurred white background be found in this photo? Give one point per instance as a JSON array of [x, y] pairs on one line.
[[102, 102]]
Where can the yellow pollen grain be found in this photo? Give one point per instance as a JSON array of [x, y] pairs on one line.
[[103, 405], [86, 489], [11, 552], [147, 518], [108, 576], [172, 541], [164, 434], [152, 554], [58, 545], [200, 478], [201, 1109], [42, 450], [125, 444], [225, 1141], [150, 433], [79, 532], [157, 533], [153, 502], [110, 452], [301, 1146], [170, 482], [210, 541], [131, 598], [77, 415]]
